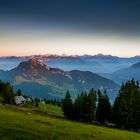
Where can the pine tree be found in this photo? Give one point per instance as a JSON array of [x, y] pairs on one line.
[[18, 93], [103, 108], [8, 93], [1, 86], [77, 110], [126, 109], [86, 108], [99, 112], [107, 107], [67, 105], [92, 99]]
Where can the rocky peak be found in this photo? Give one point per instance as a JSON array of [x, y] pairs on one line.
[[36, 67], [32, 64]]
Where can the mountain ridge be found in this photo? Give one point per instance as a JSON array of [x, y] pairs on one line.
[[123, 75], [96, 63], [99, 55], [55, 81]]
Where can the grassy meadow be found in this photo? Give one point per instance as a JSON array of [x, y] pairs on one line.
[[18, 123], [48, 108]]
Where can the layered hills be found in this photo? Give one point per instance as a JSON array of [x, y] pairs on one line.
[[126, 74], [36, 79]]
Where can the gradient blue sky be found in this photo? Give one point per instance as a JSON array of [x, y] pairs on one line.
[[69, 26]]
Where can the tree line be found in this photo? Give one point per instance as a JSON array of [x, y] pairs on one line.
[[7, 95], [95, 107]]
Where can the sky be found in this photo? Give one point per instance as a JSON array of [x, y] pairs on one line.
[[29, 27]]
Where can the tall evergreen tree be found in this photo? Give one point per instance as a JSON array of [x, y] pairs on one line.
[[18, 93], [92, 99], [107, 108], [86, 107], [103, 113], [67, 105], [8, 93], [77, 110], [1, 86], [126, 109]]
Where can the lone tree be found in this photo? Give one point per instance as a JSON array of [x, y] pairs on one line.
[[67, 105]]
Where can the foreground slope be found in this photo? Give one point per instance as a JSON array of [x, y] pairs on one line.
[[38, 80], [19, 124]]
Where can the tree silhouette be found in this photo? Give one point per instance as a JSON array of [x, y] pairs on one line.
[[67, 105]]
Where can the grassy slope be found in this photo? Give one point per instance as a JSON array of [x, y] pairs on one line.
[[19, 124], [49, 108]]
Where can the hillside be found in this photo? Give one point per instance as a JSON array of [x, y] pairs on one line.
[[126, 74], [18, 123], [39, 80]]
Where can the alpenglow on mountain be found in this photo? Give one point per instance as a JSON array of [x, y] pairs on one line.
[[95, 63], [38, 80]]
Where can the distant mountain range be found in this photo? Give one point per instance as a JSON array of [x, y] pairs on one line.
[[95, 63], [100, 55], [59, 56], [37, 79], [42, 73]]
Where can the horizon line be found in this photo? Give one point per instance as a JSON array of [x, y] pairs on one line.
[[67, 55]]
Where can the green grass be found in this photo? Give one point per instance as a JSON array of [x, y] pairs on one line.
[[54, 109], [49, 108], [17, 124]]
